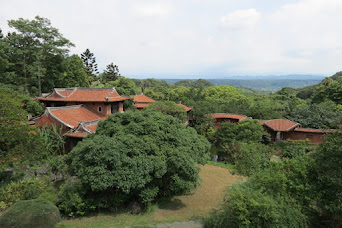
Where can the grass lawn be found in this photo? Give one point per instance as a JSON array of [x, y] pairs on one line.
[[181, 208]]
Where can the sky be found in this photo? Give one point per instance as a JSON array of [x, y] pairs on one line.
[[196, 38]]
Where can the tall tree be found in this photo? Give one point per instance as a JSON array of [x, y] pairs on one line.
[[89, 61], [74, 72], [111, 73], [34, 50]]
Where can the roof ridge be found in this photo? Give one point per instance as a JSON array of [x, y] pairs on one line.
[[55, 89], [113, 90], [90, 122], [227, 113], [74, 90], [65, 107]]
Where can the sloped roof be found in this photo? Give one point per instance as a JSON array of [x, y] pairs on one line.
[[227, 116], [142, 98], [311, 130], [281, 125], [84, 128], [187, 109], [71, 116], [83, 95], [141, 105]]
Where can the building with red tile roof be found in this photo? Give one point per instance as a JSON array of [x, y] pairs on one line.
[[225, 117], [77, 121], [69, 117], [84, 128], [281, 125], [187, 109], [282, 129], [141, 101], [104, 101]]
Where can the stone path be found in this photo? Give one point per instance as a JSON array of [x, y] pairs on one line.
[[189, 224]]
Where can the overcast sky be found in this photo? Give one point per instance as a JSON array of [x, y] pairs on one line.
[[197, 37]]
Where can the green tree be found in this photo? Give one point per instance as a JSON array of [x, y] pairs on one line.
[[34, 51], [138, 156], [169, 108], [327, 181], [89, 61], [227, 139], [200, 83], [124, 86], [252, 158], [111, 73], [223, 92], [17, 139], [324, 115], [75, 74], [245, 131]]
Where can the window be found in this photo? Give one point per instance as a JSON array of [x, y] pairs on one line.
[[115, 107], [99, 109]]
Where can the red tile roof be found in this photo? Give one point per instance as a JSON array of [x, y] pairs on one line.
[[142, 98], [84, 95], [311, 130], [187, 109], [84, 129], [227, 116], [137, 105], [281, 125], [71, 116]]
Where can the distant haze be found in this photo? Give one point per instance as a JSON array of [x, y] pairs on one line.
[[268, 83], [175, 78]]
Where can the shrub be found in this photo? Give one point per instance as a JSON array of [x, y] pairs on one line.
[[246, 206], [24, 190], [31, 213], [71, 199], [227, 139], [251, 158]]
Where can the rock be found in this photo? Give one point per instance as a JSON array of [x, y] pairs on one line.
[[136, 207]]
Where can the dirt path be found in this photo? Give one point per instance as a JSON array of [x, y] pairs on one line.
[[206, 197]]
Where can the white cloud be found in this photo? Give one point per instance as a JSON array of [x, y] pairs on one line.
[[240, 19], [177, 37], [156, 9]]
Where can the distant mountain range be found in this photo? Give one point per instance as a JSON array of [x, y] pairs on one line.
[[267, 83]]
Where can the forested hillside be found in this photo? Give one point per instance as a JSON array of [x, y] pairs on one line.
[[266, 85]]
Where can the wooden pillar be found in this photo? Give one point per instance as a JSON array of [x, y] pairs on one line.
[[121, 109]]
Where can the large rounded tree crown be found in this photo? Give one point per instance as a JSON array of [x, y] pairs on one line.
[[141, 156]]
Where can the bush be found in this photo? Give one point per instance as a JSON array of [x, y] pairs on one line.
[[251, 158], [227, 139], [246, 206], [31, 213], [71, 199], [24, 190], [292, 148]]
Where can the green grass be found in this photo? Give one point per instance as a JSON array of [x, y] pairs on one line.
[[221, 164], [192, 206]]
